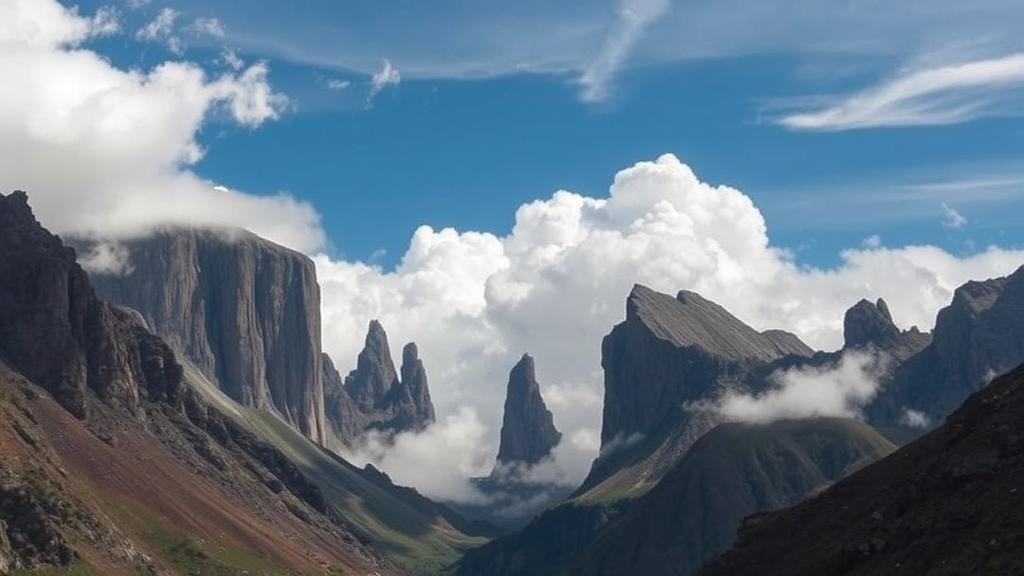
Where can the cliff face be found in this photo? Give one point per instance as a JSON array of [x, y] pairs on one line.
[[980, 334], [55, 331], [245, 311], [948, 503], [373, 397], [98, 415], [667, 353], [528, 432]]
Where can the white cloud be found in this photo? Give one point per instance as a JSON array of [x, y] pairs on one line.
[[554, 286], [914, 418], [47, 24], [106, 257], [337, 84], [952, 218], [161, 29], [873, 241], [106, 21], [388, 75], [631, 18], [808, 392], [231, 59], [136, 4], [106, 150], [438, 461], [207, 26], [944, 95]]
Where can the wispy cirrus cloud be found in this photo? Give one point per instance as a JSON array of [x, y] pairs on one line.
[[388, 75], [632, 17], [942, 95], [952, 218]]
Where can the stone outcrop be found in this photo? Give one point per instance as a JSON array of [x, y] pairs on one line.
[[58, 333], [948, 503], [244, 311], [373, 397], [980, 334], [528, 433], [869, 325]]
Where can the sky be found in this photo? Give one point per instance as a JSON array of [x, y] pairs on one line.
[[491, 178]]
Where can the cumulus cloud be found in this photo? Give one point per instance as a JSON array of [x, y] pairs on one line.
[[557, 283], [388, 75], [952, 218], [944, 95], [438, 461], [631, 18], [806, 392], [106, 151]]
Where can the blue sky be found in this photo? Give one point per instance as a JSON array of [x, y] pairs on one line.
[[490, 113]]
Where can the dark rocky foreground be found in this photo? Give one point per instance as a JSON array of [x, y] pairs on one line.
[[949, 503]]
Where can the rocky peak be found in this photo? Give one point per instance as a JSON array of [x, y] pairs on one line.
[[373, 396], [371, 381], [528, 432], [868, 323], [414, 380]]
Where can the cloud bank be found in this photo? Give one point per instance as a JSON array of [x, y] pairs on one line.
[[557, 283], [102, 149], [838, 391]]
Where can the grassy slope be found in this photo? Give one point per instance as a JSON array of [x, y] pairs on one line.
[[733, 471], [421, 542]]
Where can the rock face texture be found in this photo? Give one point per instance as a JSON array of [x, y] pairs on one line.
[[96, 411], [55, 331], [667, 353], [980, 334], [528, 432], [245, 311], [731, 472], [948, 503], [870, 326], [373, 397]]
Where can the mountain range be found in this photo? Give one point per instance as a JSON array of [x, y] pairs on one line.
[[176, 413]]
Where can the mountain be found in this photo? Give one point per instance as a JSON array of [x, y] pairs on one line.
[[373, 397], [243, 310], [668, 352], [514, 493], [870, 325], [980, 334], [948, 503], [528, 433], [732, 471], [112, 463]]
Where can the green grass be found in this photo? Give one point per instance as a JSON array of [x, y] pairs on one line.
[[421, 543]]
